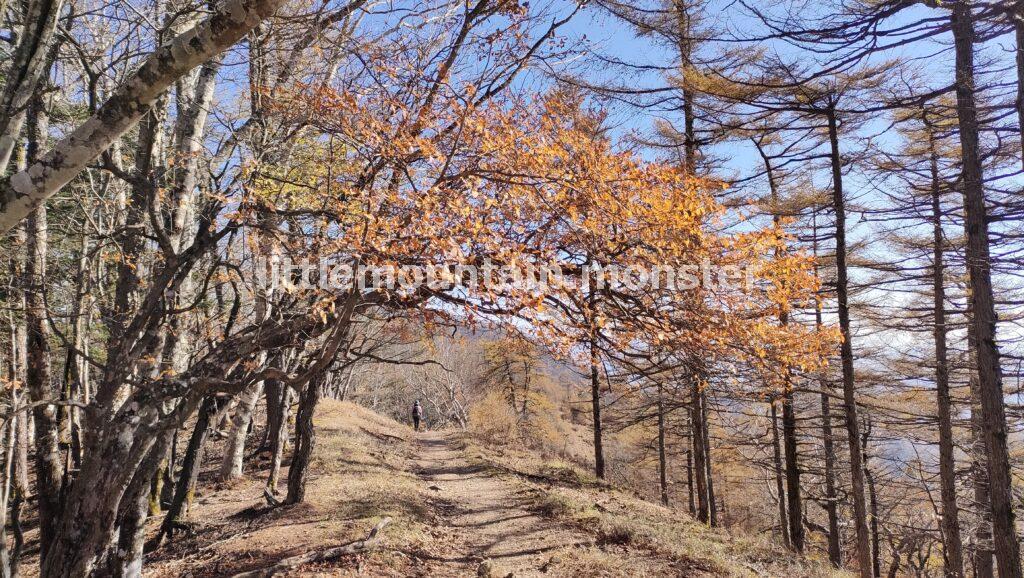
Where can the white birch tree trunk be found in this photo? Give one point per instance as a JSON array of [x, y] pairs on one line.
[[28, 189], [234, 453], [30, 66]]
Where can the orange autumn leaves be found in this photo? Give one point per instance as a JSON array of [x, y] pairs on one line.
[[538, 181]]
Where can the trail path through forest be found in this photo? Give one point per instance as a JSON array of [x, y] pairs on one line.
[[456, 509], [483, 517]]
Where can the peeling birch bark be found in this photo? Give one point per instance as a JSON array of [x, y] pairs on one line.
[[29, 188], [234, 454]]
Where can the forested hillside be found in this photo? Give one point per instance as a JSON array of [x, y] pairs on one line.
[[722, 287]]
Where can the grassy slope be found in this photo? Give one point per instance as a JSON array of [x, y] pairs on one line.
[[632, 534], [361, 473]]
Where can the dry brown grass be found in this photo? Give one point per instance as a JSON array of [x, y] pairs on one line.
[[358, 476], [362, 471], [632, 534]]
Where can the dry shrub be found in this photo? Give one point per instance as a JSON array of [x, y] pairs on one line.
[[566, 474], [553, 506], [542, 429], [492, 420], [615, 534]]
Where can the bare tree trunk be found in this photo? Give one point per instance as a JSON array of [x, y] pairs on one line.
[[305, 441], [16, 463], [697, 440], [982, 556], [8, 438], [951, 541], [894, 565], [126, 556], [49, 473], [74, 372], [876, 564], [662, 464], [18, 491], [689, 482], [99, 496], [234, 453], [595, 403], [779, 489], [17, 362], [190, 465], [990, 379], [846, 354], [685, 57], [195, 95], [125, 552], [796, 526], [273, 391], [169, 475], [29, 69], [279, 436], [835, 553], [712, 503], [156, 485], [343, 394], [130, 238]]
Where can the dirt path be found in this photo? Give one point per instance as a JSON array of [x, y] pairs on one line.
[[483, 519], [453, 516]]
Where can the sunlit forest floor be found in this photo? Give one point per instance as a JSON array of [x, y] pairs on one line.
[[457, 508]]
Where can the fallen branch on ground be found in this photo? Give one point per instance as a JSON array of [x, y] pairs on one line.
[[381, 436], [369, 543]]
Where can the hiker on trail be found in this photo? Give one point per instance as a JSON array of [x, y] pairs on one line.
[[417, 415]]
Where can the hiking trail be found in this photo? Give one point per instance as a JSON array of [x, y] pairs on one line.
[[485, 517]]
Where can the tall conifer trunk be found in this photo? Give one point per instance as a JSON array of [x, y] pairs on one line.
[[846, 352], [979, 268], [952, 543]]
